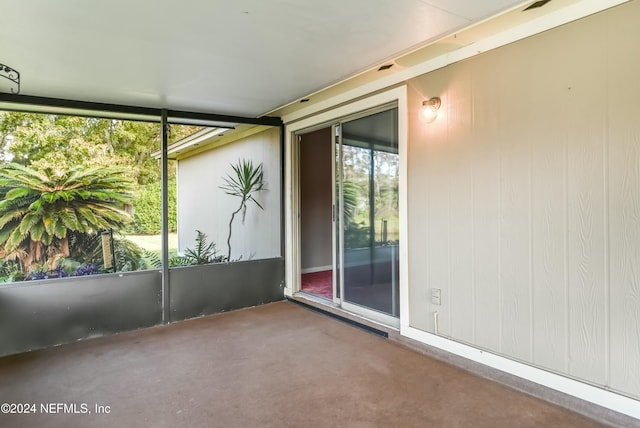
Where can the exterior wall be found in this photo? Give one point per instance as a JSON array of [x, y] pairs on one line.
[[524, 201], [203, 206]]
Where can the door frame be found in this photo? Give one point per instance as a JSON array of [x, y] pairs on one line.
[[296, 150], [293, 237]]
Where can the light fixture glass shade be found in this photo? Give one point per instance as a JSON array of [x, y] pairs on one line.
[[430, 109]]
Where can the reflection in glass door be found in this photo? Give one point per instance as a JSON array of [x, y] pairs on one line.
[[368, 181]]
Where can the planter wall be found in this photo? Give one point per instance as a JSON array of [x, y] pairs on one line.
[[208, 289], [45, 313], [40, 314]]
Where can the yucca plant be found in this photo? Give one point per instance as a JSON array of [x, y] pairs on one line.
[[38, 209], [244, 183]]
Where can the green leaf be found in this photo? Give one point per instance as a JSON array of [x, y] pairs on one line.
[[9, 216], [37, 231], [14, 240], [28, 221], [70, 220], [60, 230], [88, 215], [4, 235], [36, 205], [18, 192]]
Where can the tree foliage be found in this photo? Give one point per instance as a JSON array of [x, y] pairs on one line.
[[65, 178], [148, 213], [67, 141], [38, 209]]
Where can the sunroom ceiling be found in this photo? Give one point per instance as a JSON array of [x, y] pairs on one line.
[[237, 57]]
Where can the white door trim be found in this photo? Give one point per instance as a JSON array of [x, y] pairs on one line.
[[292, 244]]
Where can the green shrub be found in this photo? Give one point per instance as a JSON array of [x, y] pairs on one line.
[[10, 271], [147, 216]]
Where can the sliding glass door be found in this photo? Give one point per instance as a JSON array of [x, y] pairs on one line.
[[367, 234]]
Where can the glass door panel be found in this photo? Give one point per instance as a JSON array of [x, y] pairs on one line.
[[368, 209]]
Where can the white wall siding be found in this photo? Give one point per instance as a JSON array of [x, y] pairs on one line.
[[624, 194], [548, 264], [515, 217], [202, 205], [462, 296], [487, 196], [525, 201], [420, 250], [587, 201]]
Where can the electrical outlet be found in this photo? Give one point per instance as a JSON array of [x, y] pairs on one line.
[[436, 294]]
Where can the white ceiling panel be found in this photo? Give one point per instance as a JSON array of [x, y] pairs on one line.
[[472, 10], [242, 57]]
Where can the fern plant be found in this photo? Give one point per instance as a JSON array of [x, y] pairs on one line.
[[152, 259], [203, 253]]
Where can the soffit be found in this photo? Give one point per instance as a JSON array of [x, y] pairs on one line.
[[445, 51]]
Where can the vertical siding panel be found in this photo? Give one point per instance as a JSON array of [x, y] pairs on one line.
[[625, 260], [548, 257], [515, 204], [624, 210], [586, 203], [457, 103], [438, 186], [485, 152], [549, 209], [418, 196], [515, 252]]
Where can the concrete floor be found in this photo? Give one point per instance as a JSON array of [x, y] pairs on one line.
[[277, 365]]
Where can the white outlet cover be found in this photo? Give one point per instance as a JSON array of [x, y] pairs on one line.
[[436, 294]]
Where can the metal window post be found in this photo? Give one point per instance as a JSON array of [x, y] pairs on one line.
[[166, 308]]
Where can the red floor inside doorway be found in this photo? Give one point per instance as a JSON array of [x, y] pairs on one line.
[[318, 283]]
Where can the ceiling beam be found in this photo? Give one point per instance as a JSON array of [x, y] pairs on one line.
[[28, 103]]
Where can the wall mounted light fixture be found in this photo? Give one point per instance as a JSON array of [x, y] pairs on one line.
[[430, 109]]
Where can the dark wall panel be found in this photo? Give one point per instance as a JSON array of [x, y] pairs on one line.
[[39, 314], [209, 289]]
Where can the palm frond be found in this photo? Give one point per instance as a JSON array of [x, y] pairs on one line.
[[27, 222], [14, 239], [4, 236], [18, 192], [70, 219], [42, 207], [37, 231], [7, 217]]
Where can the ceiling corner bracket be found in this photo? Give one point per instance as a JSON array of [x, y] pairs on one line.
[[12, 76]]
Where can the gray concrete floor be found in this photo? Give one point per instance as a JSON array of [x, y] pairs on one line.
[[276, 365]]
